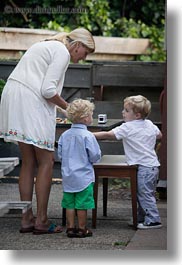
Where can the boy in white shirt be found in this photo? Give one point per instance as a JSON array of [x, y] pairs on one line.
[[139, 138]]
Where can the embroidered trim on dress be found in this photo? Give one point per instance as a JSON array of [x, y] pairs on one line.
[[15, 134]]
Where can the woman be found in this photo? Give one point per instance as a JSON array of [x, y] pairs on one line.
[[28, 115]]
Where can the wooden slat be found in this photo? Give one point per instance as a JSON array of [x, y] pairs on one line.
[[129, 74], [78, 76], [6, 67], [14, 40], [6, 168], [10, 55], [22, 39], [1, 172], [19, 39], [14, 160], [117, 45], [110, 57], [22, 205], [3, 208], [118, 49], [7, 165], [120, 74], [113, 109]]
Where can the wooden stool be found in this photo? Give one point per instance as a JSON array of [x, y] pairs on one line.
[[114, 166]]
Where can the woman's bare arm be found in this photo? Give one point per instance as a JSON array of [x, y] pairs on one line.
[[59, 101]]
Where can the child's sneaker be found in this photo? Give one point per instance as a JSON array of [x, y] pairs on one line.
[[149, 226], [130, 222]]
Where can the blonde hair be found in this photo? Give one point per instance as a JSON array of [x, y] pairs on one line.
[[77, 35], [139, 104], [79, 109]]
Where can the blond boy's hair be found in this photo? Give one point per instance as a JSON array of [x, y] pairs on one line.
[[78, 109], [139, 104]]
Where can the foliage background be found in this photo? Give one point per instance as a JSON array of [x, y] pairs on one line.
[[124, 18]]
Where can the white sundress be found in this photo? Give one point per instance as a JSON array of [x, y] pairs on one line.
[[26, 118], [25, 113]]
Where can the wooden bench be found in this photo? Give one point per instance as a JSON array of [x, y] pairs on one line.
[[7, 164], [5, 206]]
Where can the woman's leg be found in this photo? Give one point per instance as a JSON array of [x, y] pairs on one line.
[[45, 160], [26, 180]]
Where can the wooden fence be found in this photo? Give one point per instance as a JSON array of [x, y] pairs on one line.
[[15, 41], [108, 81]]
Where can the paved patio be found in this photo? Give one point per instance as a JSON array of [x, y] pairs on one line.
[[112, 232]]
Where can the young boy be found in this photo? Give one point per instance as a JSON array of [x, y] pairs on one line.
[[139, 138], [78, 150]]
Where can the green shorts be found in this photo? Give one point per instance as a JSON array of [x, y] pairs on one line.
[[82, 200]]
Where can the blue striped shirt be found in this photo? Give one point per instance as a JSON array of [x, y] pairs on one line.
[[78, 149]]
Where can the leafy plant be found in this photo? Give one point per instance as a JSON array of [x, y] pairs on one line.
[[132, 29], [121, 183], [121, 243], [97, 18], [2, 84]]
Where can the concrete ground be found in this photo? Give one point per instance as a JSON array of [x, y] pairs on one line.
[[112, 232]]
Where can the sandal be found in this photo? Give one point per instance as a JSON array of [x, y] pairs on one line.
[[84, 232], [47, 229], [28, 229], [71, 232]]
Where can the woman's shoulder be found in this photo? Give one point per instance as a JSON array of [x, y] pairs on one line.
[[52, 46]]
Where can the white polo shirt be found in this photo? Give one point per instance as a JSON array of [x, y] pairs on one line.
[[139, 139]]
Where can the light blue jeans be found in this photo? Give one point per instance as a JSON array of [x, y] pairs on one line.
[[146, 187]]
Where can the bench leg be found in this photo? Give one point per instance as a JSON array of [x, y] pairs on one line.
[[133, 182], [63, 217], [94, 211], [105, 193]]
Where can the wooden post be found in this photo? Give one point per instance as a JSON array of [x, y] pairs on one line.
[[162, 185]]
